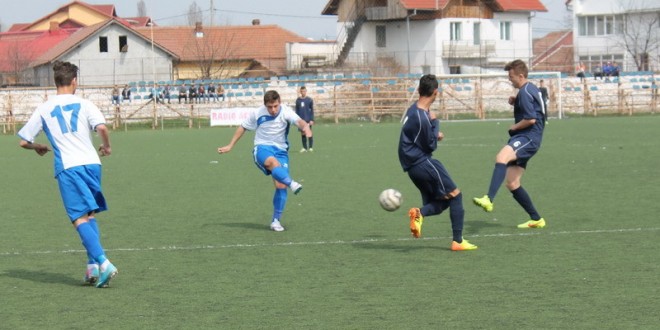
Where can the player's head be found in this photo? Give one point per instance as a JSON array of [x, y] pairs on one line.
[[303, 91], [428, 85], [272, 102], [65, 73], [517, 72]]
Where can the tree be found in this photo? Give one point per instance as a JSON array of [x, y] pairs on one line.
[[214, 52], [141, 9], [639, 36], [194, 14], [19, 56]]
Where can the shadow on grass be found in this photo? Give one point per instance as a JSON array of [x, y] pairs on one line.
[[43, 277], [398, 247], [244, 225], [475, 226]]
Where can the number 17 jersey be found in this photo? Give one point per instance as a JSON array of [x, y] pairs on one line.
[[67, 121]]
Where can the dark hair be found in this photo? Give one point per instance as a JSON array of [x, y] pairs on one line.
[[518, 66], [303, 88], [271, 96], [427, 85], [64, 73]]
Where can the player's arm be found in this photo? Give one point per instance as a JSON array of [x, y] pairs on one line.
[[104, 148], [304, 127], [311, 112], [40, 149], [237, 136]]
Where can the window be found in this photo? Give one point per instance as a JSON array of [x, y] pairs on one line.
[[103, 44], [600, 25], [455, 31], [381, 41], [505, 30], [476, 33], [123, 44], [454, 69]]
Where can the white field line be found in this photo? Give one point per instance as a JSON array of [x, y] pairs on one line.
[[337, 242]]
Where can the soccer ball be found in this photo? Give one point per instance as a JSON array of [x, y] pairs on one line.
[[390, 199]]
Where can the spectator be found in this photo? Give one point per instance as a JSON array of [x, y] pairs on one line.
[[115, 95], [201, 93], [183, 93], [615, 69], [155, 94], [221, 92], [607, 69], [192, 94], [126, 93], [598, 73], [211, 93], [580, 69], [167, 93]]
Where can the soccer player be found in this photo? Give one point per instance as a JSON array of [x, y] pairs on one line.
[[305, 110], [419, 138], [67, 121], [525, 140], [271, 124]]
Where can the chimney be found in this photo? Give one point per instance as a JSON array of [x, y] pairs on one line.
[[198, 30], [54, 26], [256, 21]]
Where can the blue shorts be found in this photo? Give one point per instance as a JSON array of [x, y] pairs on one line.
[[432, 180], [524, 147], [262, 152], [80, 188]]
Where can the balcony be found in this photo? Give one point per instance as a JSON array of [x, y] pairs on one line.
[[467, 49]]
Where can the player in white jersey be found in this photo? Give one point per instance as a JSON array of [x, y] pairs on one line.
[[67, 121], [271, 124]]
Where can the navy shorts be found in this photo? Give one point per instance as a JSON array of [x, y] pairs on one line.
[[432, 180], [524, 147]]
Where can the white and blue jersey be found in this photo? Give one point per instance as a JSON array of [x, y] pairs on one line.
[[271, 130], [67, 121]]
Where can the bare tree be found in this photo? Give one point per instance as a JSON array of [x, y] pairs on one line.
[[215, 53], [194, 14], [141, 9], [19, 57], [639, 36]]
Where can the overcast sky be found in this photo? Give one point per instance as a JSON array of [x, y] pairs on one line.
[[302, 17]]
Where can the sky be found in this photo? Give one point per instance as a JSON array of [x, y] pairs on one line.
[[302, 17]]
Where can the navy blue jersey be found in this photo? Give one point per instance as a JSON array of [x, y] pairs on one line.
[[419, 137], [529, 105], [305, 108]]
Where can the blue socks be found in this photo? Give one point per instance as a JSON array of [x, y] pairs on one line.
[[92, 222], [522, 197], [457, 215], [279, 201], [281, 174], [499, 174], [91, 241]]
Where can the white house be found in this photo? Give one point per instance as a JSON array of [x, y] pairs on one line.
[[437, 36], [626, 32], [107, 52]]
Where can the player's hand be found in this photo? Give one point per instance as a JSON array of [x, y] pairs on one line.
[[311, 122], [441, 136], [224, 150], [512, 100], [41, 149], [104, 150]]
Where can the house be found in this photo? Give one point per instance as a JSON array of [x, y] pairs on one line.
[[625, 32], [225, 51], [554, 52], [105, 47], [439, 36]]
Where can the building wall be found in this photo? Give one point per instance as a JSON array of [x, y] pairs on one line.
[[138, 63]]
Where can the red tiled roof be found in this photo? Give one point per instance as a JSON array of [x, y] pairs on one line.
[[504, 5], [106, 10], [18, 27], [137, 21], [24, 47], [263, 43]]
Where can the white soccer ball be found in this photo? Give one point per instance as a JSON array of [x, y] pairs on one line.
[[390, 199]]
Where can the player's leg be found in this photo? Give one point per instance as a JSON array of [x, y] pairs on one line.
[[277, 163], [514, 174], [279, 203], [506, 155], [303, 139], [311, 140]]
